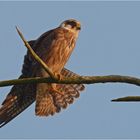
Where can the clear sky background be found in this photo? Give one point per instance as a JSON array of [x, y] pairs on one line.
[[109, 43]]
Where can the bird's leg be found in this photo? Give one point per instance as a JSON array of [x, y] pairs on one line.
[[53, 89], [53, 86]]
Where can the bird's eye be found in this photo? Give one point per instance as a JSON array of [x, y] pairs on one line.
[[72, 26]]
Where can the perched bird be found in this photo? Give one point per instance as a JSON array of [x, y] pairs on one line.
[[54, 48]]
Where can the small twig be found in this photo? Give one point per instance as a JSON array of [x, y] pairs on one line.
[[75, 80], [127, 99], [36, 57]]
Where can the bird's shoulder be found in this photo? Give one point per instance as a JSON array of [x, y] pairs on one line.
[[48, 37], [38, 46]]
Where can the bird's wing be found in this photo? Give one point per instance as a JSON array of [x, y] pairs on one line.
[[21, 96], [29, 62]]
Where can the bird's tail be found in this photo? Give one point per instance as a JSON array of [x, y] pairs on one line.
[[48, 102]]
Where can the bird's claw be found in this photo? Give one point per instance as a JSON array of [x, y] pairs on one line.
[[58, 76]]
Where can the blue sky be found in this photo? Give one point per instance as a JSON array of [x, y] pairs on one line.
[[109, 43]]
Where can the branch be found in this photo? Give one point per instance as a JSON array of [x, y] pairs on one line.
[[74, 80], [35, 56], [127, 99]]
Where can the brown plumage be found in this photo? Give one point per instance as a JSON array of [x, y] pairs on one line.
[[54, 48]]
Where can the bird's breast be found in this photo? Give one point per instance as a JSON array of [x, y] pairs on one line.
[[60, 53]]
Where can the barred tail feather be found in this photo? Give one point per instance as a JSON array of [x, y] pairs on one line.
[[44, 105], [67, 73], [48, 103]]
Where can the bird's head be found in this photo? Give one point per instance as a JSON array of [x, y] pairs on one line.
[[71, 25]]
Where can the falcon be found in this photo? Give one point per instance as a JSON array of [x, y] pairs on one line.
[[54, 48]]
